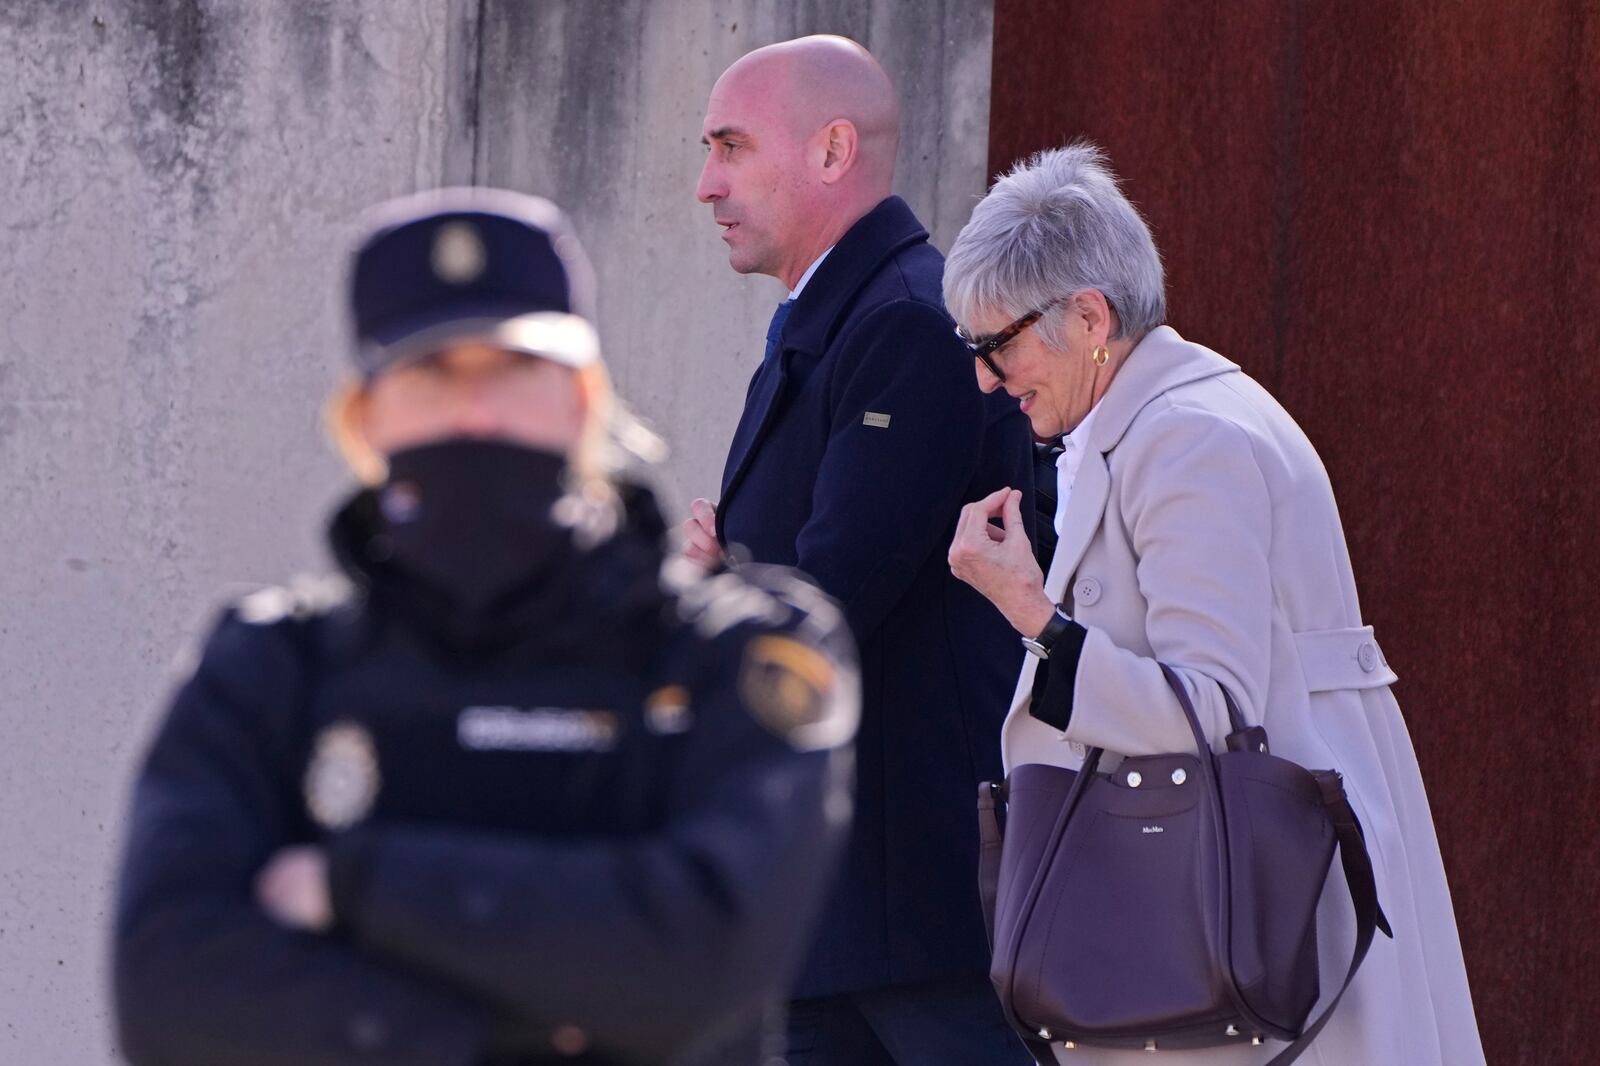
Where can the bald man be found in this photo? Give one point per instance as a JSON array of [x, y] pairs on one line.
[[863, 433]]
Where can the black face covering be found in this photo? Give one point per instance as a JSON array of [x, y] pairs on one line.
[[476, 520]]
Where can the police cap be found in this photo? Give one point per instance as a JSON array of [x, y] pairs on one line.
[[470, 264]]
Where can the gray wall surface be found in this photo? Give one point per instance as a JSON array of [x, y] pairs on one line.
[[178, 183]]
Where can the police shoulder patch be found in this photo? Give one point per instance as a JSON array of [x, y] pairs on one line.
[[796, 691], [667, 711]]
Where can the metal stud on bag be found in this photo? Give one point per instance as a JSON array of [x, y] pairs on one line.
[[1134, 778], [1150, 1045], [1044, 1034], [1069, 1045], [1179, 777], [1232, 1030]]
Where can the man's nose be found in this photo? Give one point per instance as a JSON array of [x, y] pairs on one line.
[[710, 188]]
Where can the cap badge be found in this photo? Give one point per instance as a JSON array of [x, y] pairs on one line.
[[401, 502], [458, 253], [342, 778]]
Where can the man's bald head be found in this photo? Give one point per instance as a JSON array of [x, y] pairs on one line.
[[802, 138], [821, 79]]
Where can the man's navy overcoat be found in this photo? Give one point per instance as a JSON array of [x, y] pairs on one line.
[[861, 439]]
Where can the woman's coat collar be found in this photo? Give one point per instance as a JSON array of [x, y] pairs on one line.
[[1161, 362]]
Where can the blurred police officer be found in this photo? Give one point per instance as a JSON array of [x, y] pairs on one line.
[[504, 793]]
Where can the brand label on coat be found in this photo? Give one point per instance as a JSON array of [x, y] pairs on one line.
[[538, 729], [876, 419]]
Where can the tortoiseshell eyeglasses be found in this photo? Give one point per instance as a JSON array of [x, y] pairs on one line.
[[983, 349]]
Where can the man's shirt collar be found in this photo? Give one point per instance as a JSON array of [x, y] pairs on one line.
[[794, 293]]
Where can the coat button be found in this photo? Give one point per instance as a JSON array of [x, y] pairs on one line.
[[1367, 656], [1087, 591]]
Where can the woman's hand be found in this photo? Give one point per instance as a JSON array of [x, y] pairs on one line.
[[999, 562], [293, 889]]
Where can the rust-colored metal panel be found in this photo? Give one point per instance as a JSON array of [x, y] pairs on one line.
[[1390, 215]]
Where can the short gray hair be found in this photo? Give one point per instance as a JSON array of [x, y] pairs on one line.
[[1055, 225]]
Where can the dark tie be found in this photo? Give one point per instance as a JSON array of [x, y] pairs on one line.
[[775, 329]]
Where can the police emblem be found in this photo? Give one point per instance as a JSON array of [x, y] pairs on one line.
[[458, 253], [342, 777], [666, 711], [401, 502], [790, 688]]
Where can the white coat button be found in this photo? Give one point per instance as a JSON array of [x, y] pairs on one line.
[[1086, 591], [1367, 656]]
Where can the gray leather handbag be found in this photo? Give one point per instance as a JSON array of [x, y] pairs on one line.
[[1170, 903]]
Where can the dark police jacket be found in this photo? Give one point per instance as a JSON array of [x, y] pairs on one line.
[[859, 443], [605, 818]]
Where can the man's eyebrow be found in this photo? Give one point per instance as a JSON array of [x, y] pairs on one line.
[[722, 133]]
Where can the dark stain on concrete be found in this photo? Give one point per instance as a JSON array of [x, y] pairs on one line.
[[472, 120], [310, 42], [185, 94], [184, 54], [596, 49]]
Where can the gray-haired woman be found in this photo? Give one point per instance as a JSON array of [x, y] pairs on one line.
[[1197, 529]]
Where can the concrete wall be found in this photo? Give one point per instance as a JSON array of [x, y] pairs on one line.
[[178, 180]]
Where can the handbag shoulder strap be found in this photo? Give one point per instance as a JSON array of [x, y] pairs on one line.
[[1352, 856], [1363, 895]]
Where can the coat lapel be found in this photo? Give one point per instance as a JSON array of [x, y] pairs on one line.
[[1162, 361], [1090, 490], [766, 388]]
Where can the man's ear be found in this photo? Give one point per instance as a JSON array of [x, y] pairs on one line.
[[841, 146]]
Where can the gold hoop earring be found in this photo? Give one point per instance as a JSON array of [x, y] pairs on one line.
[[1100, 355]]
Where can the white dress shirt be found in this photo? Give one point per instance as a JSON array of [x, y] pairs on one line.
[[794, 293], [1068, 461]]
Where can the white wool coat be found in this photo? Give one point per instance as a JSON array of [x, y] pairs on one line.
[[1201, 531]]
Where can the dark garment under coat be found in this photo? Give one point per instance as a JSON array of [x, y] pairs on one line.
[[861, 439]]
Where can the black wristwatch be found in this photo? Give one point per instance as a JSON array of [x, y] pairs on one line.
[[1041, 644]]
